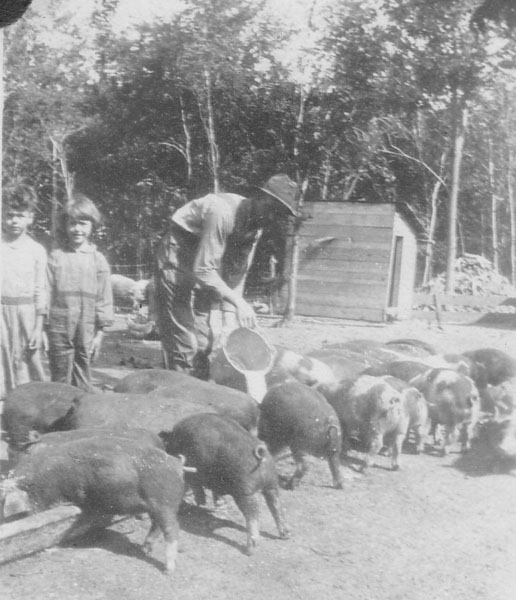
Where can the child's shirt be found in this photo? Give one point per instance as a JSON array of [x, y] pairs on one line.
[[80, 288], [23, 273]]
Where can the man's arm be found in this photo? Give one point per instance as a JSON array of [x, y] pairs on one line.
[[208, 265]]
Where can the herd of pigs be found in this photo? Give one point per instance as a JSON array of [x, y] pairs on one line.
[[136, 449]]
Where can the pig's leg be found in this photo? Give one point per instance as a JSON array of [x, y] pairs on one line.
[[434, 432], [397, 444], [164, 518], [332, 448], [346, 442], [249, 507], [170, 532], [152, 536], [419, 439], [301, 468], [374, 448], [271, 496], [466, 434], [335, 466], [449, 434], [198, 492]]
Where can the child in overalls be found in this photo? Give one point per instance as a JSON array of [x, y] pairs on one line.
[[81, 302], [23, 285]]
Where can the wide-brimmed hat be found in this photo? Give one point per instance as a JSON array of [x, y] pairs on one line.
[[283, 189]]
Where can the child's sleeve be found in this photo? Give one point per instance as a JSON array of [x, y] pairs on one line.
[[104, 302], [40, 283]]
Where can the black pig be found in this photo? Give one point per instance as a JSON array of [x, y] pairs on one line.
[[299, 417], [228, 460]]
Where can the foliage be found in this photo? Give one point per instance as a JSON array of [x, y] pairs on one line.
[[157, 114]]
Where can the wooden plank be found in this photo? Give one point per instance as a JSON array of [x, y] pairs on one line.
[[36, 532], [344, 269], [347, 232], [353, 289], [314, 242], [323, 276], [347, 254], [354, 313], [25, 536], [320, 297], [348, 208], [362, 219]]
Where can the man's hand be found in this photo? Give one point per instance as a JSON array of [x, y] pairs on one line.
[[36, 337], [95, 345], [245, 314]]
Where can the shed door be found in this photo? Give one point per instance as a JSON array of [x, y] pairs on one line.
[[394, 292]]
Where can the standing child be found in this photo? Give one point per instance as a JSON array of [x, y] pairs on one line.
[[24, 298], [81, 302]]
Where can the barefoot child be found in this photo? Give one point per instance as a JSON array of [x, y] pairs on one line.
[[81, 302], [24, 297]]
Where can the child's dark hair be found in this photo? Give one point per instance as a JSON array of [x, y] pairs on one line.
[[82, 208], [19, 197]]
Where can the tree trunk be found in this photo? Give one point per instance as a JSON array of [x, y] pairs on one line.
[[460, 126], [188, 140], [512, 216], [54, 210], [326, 177], [210, 130], [351, 188], [290, 309], [2, 376], [434, 202], [492, 192]]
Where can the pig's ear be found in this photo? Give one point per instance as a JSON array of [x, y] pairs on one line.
[[16, 502], [463, 368]]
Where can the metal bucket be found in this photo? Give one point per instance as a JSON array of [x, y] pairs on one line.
[[242, 362]]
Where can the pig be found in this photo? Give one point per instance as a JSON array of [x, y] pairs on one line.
[[103, 475], [453, 402], [176, 388], [151, 411], [498, 438], [228, 460], [455, 361], [492, 366], [416, 408], [174, 384], [305, 369], [499, 400], [345, 364], [296, 416], [405, 370], [374, 408], [368, 349], [38, 441], [411, 347], [35, 406], [127, 292]]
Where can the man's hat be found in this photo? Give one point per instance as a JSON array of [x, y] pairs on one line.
[[283, 189]]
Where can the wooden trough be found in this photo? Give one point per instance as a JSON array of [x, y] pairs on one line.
[[42, 530]]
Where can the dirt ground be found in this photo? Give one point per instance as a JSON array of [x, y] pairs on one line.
[[438, 529]]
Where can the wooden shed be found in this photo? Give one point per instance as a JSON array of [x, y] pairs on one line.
[[357, 261]]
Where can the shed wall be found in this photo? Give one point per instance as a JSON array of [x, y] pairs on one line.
[[345, 257]]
